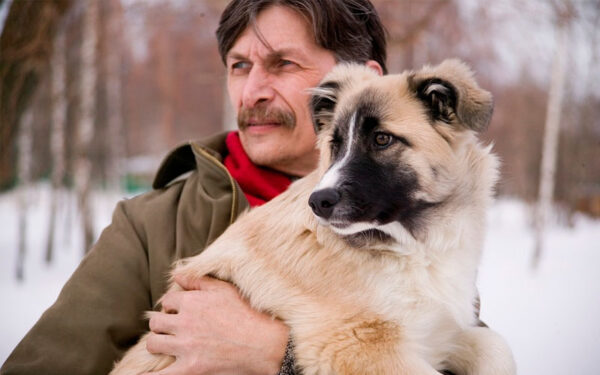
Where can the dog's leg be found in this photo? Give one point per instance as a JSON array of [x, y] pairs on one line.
[[481, 351], [358, 347], [216, 260]]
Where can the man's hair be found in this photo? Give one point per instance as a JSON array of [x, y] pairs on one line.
[[351, 29]]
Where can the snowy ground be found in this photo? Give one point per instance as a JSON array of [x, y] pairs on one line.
[[549, 317]]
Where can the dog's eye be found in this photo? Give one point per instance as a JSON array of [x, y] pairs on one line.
[[382, 140]]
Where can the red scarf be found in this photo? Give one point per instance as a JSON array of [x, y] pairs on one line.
[[259, 185]]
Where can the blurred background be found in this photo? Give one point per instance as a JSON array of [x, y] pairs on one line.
[[93, 93]]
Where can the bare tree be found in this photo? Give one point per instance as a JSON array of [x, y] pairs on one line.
[[113, 63], [552, 128], [24, 173], [57, 135], [85, 126], [165, 70]]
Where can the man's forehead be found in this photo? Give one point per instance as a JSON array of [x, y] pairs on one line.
[[267, 39], [267, 52]]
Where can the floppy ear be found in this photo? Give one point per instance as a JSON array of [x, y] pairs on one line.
[[453, 96], [322, 103], [325, 96]]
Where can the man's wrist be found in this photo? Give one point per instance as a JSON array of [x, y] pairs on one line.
[[273, 350], [289, 362]]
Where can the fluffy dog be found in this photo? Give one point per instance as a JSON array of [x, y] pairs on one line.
[[372, 259]]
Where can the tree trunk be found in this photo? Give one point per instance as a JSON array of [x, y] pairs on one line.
[[550, 145], [24, 173], [85, 130], [113, 60], [166, 84], [57, 134]]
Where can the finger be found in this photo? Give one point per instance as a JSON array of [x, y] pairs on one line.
[[162, 322], [173, 369], [161, 344], [205, 283], [171, 301], [188, 282]]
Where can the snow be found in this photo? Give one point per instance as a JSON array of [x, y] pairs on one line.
[[28, 299], [548, 315]]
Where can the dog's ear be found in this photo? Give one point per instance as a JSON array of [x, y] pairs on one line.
[[343, 77], [322, 103], [452, 95]]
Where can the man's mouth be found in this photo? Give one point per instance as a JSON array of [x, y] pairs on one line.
[[258, 127], [262, 118], [267, 122]]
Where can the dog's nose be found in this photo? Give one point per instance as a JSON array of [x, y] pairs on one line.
[[323, 201]]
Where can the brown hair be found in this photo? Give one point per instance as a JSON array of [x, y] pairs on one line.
[[351, 29]]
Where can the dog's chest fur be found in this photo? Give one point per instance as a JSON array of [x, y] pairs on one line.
[[426, 295]]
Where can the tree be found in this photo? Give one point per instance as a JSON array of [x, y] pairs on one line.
[[113, 62], [552, 128], [24, 175], [87, 114], [57, 135]]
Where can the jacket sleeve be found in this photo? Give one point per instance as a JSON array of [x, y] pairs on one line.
[[99, 312]]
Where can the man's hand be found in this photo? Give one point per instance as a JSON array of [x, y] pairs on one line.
[[211, 329]]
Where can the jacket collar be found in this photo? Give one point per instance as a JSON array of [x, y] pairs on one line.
[[186, 157]]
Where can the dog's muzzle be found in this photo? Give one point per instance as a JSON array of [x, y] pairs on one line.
[[323, 202]]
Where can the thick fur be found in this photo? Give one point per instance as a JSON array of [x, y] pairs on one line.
[[382, 280]]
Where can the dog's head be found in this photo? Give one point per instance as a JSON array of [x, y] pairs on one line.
[[394, 149]]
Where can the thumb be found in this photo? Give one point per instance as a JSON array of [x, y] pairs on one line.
[[192, 282], [187, 282], [205, 283]]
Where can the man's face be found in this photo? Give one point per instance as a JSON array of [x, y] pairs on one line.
[[267, 83]]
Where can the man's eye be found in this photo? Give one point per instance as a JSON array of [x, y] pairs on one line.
[[285, 63], [239, 65]]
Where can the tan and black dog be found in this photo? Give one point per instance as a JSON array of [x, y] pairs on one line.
[[372, 259]]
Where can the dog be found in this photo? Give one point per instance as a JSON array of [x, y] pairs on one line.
[[371, 259]]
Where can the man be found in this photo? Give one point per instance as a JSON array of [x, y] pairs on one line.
[[274, 51]]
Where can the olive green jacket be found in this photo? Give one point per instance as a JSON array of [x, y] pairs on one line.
[[99, 312]]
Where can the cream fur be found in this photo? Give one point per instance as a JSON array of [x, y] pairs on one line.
[[405, 308]]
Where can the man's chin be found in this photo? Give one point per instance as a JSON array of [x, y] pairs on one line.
[[265, 142]]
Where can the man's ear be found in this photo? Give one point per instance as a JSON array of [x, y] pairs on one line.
[[452, 95], [372, 64]]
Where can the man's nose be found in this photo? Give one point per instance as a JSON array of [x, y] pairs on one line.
[[257, 88]]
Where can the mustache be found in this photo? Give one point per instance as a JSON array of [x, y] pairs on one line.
[[264, 114]]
